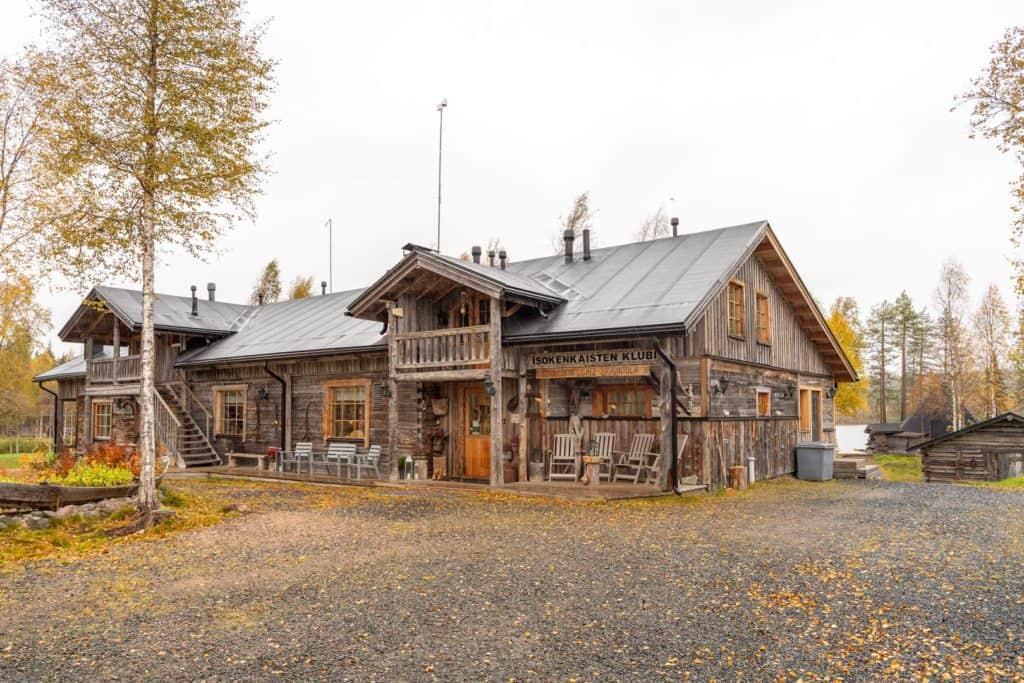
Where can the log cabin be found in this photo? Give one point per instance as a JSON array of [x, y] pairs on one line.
[[991, 450], [468, 369]]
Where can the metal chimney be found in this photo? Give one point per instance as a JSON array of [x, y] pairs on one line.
[[568, 236], [503, 258], [259, 298], [476, 251], [211, 290], [675, 226], [586, 244], [323, 287], [490, 257], [195, 302]]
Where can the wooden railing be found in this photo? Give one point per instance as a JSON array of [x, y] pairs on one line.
[[122, 369], [167, 430], [456, 346]]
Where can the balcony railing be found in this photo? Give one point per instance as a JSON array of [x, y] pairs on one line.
[[458, 346], [109, 370]]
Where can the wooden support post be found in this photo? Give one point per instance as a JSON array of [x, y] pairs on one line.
[[286, 410], [524, 404], [497, 404], [665, 414], [117, 346], [393, 398]]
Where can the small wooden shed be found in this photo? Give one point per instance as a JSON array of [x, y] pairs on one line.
[[987, 451]]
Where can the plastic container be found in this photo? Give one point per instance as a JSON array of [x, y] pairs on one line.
[[814, 461]]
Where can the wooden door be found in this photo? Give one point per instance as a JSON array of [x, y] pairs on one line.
[[477, 434]]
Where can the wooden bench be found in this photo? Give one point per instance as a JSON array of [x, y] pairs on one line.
[[260, 458]]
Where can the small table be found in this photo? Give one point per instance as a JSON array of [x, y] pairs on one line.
[[591, 470]]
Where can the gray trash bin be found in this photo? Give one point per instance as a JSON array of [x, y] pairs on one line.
[[814, 461]]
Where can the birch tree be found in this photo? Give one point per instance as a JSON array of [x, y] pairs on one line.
[[154, 140], [954, 343], [655, 226], [267, 289], [301, 287], [579, 218], [992, 330], [844, 320]]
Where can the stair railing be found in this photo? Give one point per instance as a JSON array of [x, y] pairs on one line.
[[167, 430]]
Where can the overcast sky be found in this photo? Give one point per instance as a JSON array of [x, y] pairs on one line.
[[833, 123]]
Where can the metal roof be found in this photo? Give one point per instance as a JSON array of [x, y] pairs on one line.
[[1005, 417], [73, 368], [654, 284], [313, 326], [170, 313]]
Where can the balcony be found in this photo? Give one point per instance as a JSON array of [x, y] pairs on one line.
[[448, 348], [115, 370]]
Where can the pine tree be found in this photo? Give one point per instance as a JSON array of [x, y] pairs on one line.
[[880, 353]]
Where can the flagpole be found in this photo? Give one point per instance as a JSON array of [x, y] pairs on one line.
[[330, 253]]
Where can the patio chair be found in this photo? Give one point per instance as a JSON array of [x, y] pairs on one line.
[[604, 445], [370, 460], [564, 464], [635, 461], [340, 454], [303, 452], [652, 468]]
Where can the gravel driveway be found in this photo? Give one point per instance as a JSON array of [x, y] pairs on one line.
[[791, 580]]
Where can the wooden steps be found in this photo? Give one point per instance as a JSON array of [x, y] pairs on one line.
[[854, 467]]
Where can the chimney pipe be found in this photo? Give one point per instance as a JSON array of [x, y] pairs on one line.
[[211, 290], [586, 244], [675, 226], [490, 257], [259, 297], [476, 251], [568, 236], [195, 302], [323, 287], [503, 258]]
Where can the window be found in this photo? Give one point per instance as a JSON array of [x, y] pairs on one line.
[[622, 400], [764, 320], [229, 416], [101, 420], [764, 403], [347, 410], [737, 310], [483, 311], [470, 309], [70, 427]]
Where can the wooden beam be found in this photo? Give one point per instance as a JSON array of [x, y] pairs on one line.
[[497, 401], [474, 375]]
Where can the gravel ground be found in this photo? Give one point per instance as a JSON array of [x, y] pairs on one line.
[[790, 580]]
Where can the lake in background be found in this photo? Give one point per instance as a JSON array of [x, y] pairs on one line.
[[851, 438]]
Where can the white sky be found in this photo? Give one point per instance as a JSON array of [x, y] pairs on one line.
[[832, 122]]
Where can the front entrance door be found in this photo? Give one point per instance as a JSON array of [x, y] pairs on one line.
[[477, 437]]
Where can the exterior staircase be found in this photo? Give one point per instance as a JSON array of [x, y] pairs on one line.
[[855, 467], [194, 448]]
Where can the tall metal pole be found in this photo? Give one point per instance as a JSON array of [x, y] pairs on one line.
[[440, 136], [330, 253]]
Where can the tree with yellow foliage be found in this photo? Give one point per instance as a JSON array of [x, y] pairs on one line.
[[844, 319]]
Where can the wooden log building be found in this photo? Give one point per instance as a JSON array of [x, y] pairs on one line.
[[471, 367], [986, 451]]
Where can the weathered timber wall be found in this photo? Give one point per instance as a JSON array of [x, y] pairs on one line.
[[988, 453], [716, 445], [791, 348]]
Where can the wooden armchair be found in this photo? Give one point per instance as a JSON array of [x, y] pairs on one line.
[[564, 464], [635, 461]]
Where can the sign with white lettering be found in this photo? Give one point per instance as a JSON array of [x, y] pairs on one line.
[[599, 363]]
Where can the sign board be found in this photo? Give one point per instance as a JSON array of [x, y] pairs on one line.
[[600, 363]]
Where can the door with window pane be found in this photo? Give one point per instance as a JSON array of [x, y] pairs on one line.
[[477, 437]]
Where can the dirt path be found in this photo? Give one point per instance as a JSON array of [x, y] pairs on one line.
[[817, 581]]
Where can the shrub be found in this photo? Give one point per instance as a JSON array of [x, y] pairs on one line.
[[113, 454], [96, 474]]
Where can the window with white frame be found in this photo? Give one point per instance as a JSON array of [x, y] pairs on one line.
[[102, 420]]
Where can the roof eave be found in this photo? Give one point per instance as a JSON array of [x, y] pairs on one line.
[[254, 358]]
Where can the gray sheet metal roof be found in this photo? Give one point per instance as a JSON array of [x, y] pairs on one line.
[[654, 284], [174, 313], [314, 326], [69, 370], [508, 279]]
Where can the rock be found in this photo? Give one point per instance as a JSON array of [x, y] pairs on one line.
[[66, 511], [6, 521], [243, 508], [161, 515], [34, 522]]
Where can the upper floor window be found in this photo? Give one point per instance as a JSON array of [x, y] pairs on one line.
[[229, 415], [737, 310], [764, 319]]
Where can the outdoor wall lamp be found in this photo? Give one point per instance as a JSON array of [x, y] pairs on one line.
[[385, 389], [489, 387]]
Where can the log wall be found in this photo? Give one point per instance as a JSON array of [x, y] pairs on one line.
[[987, 453]]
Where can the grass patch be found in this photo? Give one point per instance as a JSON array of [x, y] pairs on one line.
[[906, 468], [78, 536], [1012, 484], [11, 461]]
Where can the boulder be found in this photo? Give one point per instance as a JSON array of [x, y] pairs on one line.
[[35, 522], [6, 521]]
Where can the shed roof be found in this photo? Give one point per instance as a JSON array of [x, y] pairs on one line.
[[1010, 417], [316, 325]]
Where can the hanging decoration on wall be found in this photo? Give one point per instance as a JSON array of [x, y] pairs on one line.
[[439, 406]]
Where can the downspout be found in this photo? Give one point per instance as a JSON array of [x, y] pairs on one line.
[[56, 402], [674, 435], [284, 398]]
